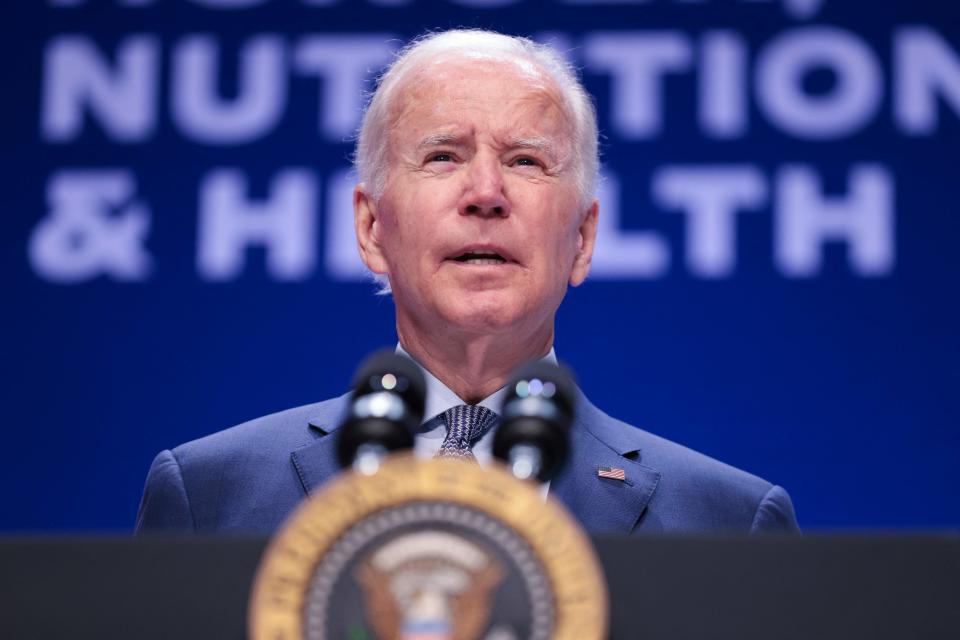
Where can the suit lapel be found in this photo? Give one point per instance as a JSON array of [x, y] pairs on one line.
[[317, 462], [603, 504]]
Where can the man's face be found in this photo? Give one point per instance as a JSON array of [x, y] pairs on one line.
[[480, 224]]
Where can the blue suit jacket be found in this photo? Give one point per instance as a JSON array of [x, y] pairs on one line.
[[249, 478]]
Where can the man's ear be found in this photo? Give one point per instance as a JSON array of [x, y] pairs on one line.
[[366, 224], [586, 239]]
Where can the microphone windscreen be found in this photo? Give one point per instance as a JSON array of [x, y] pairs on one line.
[[537, 415], [550, 381], [387, 370]]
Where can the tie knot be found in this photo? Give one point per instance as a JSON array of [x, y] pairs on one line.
[[466, 423]]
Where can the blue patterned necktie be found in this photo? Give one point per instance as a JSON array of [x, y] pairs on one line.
[[466, 424]]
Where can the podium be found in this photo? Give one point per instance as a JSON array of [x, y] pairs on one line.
[[811, 588]]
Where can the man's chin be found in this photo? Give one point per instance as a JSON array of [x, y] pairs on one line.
[[481, 280], [484, 312]]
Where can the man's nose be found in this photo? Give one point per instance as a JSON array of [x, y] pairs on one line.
[[484, 194]]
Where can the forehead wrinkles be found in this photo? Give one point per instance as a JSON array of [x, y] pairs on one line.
[[439, 98]]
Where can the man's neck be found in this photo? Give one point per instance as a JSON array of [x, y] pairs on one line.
[[474, 366]]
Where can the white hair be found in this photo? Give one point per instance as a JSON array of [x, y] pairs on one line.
[[370, 158]]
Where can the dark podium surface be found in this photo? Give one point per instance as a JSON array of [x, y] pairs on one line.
[[694, 587]]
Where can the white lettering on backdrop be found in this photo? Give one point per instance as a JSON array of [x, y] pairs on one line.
[[284, 223], [124, 90], [94, 228]]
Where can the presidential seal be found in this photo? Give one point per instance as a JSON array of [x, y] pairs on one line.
[[429, 550]]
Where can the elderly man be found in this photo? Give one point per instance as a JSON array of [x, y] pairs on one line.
[[477, 156]]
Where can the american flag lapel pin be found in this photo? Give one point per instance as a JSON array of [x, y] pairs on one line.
[[614, 473]]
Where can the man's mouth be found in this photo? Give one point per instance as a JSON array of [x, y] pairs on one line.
[[479, 257], [482, 255]]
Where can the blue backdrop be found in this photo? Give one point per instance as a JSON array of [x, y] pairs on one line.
[[775, 283]]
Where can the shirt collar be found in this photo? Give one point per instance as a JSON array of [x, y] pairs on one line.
[[440, 397]]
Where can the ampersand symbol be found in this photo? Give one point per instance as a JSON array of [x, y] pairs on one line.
[[93, 228]]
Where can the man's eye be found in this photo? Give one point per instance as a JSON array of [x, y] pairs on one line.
[[440, 157], [525, 161]]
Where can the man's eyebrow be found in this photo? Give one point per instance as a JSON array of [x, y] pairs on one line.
[[534, 144], [437, 139], [543, 145]]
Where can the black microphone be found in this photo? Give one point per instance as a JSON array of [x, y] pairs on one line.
[[534, 435], [385, 409]]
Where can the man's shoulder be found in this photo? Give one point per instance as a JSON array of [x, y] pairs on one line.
[[691, 491], [679, 464], [267, 436], [234, 480]]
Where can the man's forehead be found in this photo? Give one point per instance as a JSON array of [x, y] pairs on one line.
[[434, 108], [444, 83], [465, 65]]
